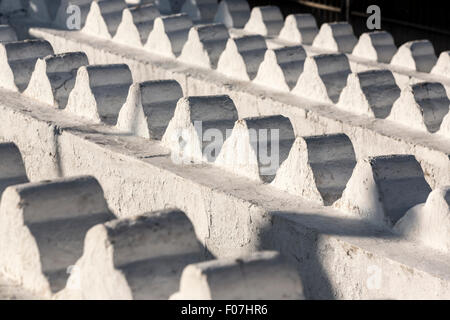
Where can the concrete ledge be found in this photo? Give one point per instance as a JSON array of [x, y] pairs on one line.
[[259, 276]]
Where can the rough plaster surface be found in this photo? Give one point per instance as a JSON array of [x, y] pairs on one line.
[[134, 258], [7, 34], [370, 137], [260, 276], [48, 221], [231, 215], [382, 189], [54, 76]]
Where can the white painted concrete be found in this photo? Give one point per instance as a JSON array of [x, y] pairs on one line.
[[299, 28], [259, 276]]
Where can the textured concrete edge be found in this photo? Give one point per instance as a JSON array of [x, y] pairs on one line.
[[231, 215], [370, 137]]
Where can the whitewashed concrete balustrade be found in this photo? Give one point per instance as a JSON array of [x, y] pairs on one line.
[[48, 221], [100, 91], [233, 13], [54, 78], [17, 62], [149, 107], [299, 28], [261, 276], [136, 25], [205, 44]]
